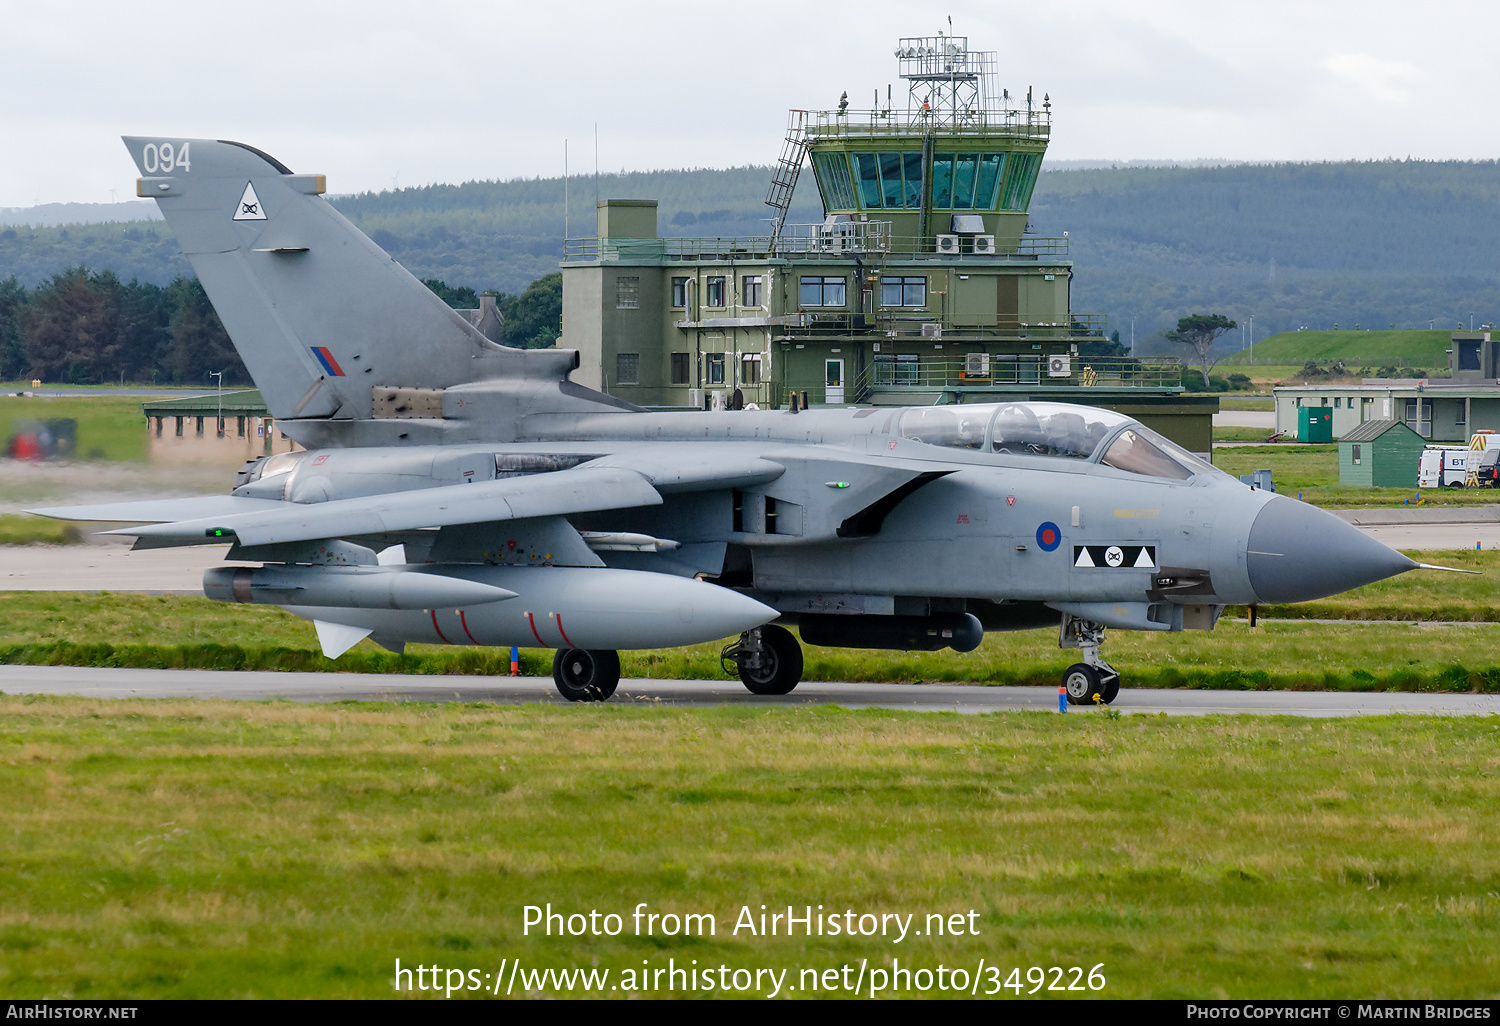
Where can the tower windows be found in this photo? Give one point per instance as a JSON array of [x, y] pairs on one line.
[[822, 291]]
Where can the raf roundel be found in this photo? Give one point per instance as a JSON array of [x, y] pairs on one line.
[[1048, 536]]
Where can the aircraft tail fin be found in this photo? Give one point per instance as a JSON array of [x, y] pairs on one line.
[[324, 319]]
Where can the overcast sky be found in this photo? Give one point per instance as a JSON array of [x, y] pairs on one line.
[[380, 93]]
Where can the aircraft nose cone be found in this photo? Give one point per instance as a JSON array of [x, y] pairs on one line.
[[1298, 552]]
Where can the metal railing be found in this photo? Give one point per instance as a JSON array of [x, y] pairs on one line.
[[909, 324], [833, 239], [800, 242], [936, 327], [766, 395], [958, 373], [953, 374], [875, 124]]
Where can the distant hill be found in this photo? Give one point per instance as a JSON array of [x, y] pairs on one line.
[[503, 235], [500, 235], [1424, 349], [1376, 243], [51, 214], [1298, 245]]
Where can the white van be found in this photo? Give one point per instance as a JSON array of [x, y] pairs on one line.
[[1444, 466]]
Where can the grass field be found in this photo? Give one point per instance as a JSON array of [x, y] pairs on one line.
[[1313, 471], [28, 530], [1234, 433], [170, 632], [217, 849], [1426, 349], [109, 427], [1269, 374], [236, 849]]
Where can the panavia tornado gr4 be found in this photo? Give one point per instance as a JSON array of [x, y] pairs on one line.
[[455, 491]]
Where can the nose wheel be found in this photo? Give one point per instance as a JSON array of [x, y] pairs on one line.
[[1093, 681], [1087, 685]]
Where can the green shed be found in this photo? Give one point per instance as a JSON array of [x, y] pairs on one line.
[[1314, 424], [1380, 454]]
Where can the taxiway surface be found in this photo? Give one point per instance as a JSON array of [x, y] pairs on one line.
[[960, 698]]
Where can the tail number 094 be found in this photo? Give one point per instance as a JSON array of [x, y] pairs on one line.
[[161, 157]]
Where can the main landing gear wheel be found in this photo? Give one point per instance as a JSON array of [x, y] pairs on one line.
[[767, 659], [586, 674]]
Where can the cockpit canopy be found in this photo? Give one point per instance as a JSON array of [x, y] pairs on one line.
[[1056, 430]]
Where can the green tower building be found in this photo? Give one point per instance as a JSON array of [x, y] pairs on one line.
[[920, 285]]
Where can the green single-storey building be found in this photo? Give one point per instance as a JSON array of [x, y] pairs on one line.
[[1380, 454]]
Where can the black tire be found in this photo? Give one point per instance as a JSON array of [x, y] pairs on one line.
[[1083, 684], [1111, 689], [586, 674], [782, 664]]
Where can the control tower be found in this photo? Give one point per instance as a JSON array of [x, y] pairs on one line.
[[919, 285], [947, 168]]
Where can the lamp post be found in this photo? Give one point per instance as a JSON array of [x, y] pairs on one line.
[[219, 420]]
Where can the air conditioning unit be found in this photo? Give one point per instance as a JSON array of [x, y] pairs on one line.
[[984, 244], [1059, 366], [932, 330], [947, 243], [977, 365], [695, 398]]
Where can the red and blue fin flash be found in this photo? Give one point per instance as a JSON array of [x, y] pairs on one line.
[[325, 357]]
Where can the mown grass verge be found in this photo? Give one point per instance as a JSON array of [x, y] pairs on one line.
[[1002, 665], [180, 632], [27, 530], [1236, 433], [1284, 652], [212, 849], [1313, 472], [108, 427]]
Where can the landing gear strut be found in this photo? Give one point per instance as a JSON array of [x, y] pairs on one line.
[[1093, 681], [586, 674], [767, 659]]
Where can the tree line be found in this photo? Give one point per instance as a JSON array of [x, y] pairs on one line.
[[1373, 243], [88, 327]]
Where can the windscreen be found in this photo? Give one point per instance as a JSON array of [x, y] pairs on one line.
[[1142, 451], [1057, 430]]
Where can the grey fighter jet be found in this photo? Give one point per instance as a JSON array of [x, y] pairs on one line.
[[455, 491]]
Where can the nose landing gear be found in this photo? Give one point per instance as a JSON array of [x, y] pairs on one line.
[[1093, 681]]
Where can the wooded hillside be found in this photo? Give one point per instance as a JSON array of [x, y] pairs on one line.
[[1297, 245]]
